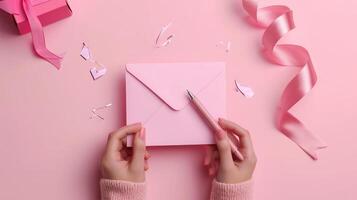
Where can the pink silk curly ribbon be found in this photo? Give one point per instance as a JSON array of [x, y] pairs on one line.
[[278, 20], [38, 37]]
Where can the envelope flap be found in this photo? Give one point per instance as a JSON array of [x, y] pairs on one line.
[[169, 81]]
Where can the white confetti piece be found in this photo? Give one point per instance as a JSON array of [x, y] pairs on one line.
[[168, 39], [87, 55], [245, 90], [95, 114], [97, 73], [85, 52], [226, 45]]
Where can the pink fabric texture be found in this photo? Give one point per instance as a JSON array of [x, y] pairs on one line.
[[123, 190], [224, 191]]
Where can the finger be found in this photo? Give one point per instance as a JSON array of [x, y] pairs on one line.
[[244, 137], [124, 154], [210, 168], [115, 139], [211, 171], [124, 141], [147, 155], [213, 168], [139, 149], [146, 165], [224, 149], [208, 155], [216, 166], [215, 156]]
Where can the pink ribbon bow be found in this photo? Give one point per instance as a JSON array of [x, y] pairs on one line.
[[278, 20], [38, 38]]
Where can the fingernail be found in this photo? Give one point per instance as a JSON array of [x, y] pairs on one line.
[[142, 134]]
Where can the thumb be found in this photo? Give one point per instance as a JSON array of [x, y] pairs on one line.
[[224, 149], [138, 160]]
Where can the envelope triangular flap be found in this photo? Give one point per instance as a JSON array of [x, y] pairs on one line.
[[169, 81]]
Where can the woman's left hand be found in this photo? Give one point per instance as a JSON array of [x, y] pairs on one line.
[[122, 163]]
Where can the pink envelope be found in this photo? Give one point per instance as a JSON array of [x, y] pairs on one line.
[[156, 96]]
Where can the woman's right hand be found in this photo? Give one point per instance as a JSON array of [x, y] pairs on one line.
[[228, 168]]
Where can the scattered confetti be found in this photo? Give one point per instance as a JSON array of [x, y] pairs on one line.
[[245, 90], [95, 114], [168, 39], [85, 53], [97, 73], [226, 45]]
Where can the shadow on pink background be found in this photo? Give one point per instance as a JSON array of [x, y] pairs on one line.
[[49, 148]]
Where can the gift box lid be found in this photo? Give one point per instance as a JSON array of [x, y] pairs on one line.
[[48, 11]]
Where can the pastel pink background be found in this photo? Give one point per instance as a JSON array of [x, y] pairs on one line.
[[50, 149]]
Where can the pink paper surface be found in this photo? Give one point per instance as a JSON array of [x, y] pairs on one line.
[[48, 144], [156, 95]]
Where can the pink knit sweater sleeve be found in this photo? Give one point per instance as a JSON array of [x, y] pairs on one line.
[[122, 190], [239, 191]]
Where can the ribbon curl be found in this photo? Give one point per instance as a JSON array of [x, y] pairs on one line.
[[278, 20], [38, 37]]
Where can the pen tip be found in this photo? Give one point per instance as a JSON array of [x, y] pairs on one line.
[[190, 94]]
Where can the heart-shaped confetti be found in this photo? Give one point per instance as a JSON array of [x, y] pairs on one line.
[[97, 73]]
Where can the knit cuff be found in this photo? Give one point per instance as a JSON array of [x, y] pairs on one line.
[[122, 190], [224, 191]]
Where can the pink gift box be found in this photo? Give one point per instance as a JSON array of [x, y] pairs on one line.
[[48, 12]]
